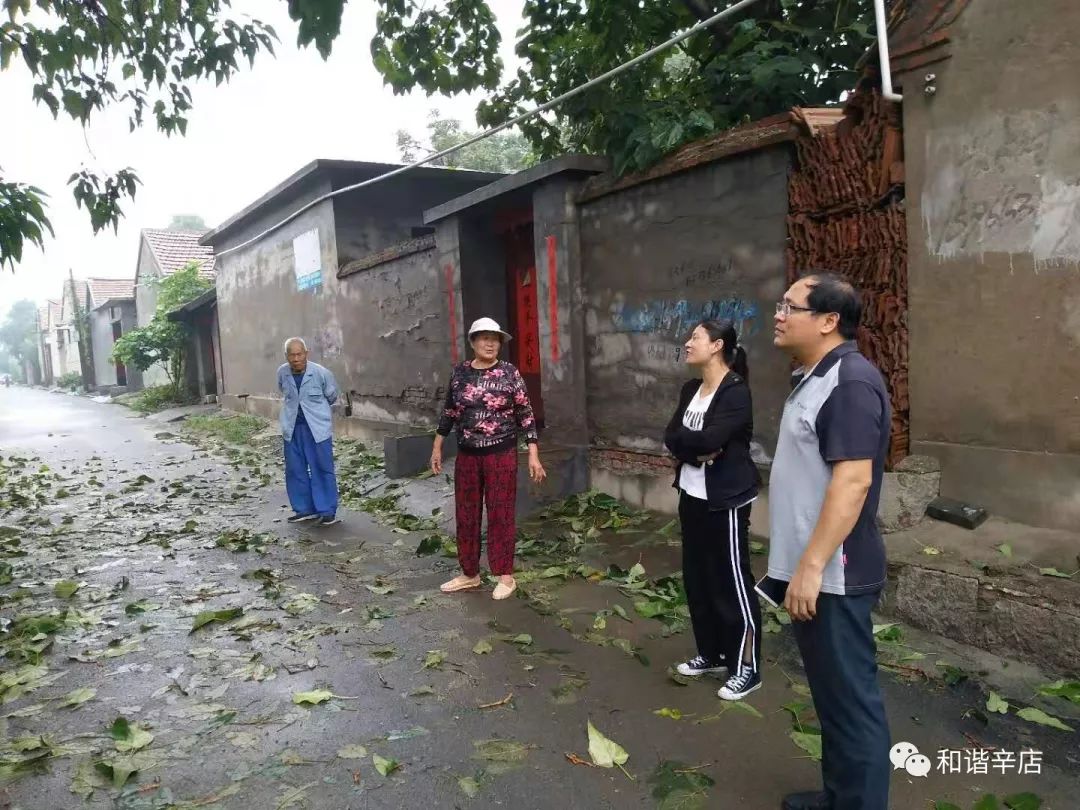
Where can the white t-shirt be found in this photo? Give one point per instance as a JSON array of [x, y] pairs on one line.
[[692, 479]]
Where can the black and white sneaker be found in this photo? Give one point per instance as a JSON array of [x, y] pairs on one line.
[[699, 666], [329, 520], [298, 518], [741, 685]]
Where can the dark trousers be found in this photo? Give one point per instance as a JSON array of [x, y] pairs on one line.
[[309, 473], [839, 654], [724, 609], [490, 479]]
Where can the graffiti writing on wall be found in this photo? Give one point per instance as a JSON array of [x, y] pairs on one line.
[[677, 318]]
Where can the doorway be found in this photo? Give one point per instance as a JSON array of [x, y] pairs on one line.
[[121, 369], [521, 306]]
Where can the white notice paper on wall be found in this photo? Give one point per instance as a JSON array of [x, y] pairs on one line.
[[307, 260]]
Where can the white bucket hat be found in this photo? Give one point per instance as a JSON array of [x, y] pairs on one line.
[[487, 325]]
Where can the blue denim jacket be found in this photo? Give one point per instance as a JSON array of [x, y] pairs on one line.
[[318, 391]]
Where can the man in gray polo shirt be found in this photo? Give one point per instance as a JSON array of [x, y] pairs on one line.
[[826, 555]]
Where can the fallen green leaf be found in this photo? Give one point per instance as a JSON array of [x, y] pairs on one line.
[[128, 737], [313, 697], [352, 752], [605, 752], [483, 647], [995, 703], [674, 714], [810, 743], [1034, 715], [677, 786], [385, 766], [65, 589], [77, 697], [501, 755], [1053, 572], [434, 659], [208, 616], [1069, 690], [1023, 801], [524, 639], [469, 786]]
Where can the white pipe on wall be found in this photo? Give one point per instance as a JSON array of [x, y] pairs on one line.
[[882, 25]]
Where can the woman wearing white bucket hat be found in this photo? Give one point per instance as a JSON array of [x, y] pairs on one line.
[[487, 403]]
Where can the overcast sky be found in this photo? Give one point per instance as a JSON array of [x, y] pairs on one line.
[[243, 138]]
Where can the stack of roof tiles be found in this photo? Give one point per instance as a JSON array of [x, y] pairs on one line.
[[846, 215]]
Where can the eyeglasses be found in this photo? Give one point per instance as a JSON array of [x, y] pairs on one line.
[[785, 308]]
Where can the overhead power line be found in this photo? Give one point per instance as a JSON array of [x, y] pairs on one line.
[[603, 77]]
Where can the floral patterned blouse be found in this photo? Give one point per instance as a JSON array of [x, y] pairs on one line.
[[488, 406]]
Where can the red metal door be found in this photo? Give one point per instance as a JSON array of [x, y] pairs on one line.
[[522, 305]]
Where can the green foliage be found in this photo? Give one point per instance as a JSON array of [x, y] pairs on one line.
[[164, 341], [774, 55], [504, 152], [18, 333], [22, 220], [140, 57], [158, 398], [71, 381]]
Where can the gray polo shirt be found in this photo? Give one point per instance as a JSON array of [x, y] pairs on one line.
[[838, 412]]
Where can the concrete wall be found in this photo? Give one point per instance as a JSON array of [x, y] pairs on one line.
[[658, 257], [259, 305], [395, 326], [993, 174], [101, 340]]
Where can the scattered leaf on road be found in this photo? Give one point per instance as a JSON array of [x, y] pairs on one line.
[[1034, 715], [483, 647], [434, 659], [315, 696], [207, 616], [679, 787], [810, 743], [352, 752], [77, 697], [996, 703], [1070, 690], [65, 588], [128, 737], [605, 752], [385, 766], [469, 786], [674, 714]]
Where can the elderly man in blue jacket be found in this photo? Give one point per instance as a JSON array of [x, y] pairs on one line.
[[306, 425]]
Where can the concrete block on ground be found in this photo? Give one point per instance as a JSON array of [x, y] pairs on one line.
[[943, 603], [907, 491], [405, 456]]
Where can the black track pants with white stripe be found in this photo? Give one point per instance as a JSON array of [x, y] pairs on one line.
[[724, 609]]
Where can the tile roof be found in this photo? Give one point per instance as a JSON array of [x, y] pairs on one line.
[[782, 128], [110, 289], [173, 249]]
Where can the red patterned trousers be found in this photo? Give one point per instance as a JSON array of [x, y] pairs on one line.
[[492, 479]]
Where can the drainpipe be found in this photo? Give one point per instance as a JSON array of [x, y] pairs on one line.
[[883, 52]]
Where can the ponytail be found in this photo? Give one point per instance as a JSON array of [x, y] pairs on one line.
[[738, 363], [733, 353]]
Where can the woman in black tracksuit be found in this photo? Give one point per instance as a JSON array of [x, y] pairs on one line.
[[709, 435]]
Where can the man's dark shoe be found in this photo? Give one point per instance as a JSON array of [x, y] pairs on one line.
[[810, 800], [298, 518]]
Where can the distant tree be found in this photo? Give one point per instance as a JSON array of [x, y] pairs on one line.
[[164, 341], [504, 152], [18, 333], [187, 222]]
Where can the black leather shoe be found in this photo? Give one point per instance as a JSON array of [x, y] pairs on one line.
[[810, 800]]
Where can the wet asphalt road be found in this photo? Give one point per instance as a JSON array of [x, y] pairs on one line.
[[352, 610]]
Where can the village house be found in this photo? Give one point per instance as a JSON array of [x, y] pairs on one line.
[[356, 275], [110, 307], [163, 251]]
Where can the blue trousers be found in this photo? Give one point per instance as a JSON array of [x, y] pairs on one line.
[[309, 473], [839, 653]]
